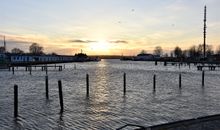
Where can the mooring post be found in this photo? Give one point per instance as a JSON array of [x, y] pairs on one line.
[[124, 83], [154, 83], [13, 70], [180, 82], [87, 84], [15, 100], [203, 78], [30, 69], [60, 96], [74, 66], [46, 85], [64, 66], [46, 70], [155, 62], [165, 63]]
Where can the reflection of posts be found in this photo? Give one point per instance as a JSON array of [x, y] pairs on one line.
[[15, 100], [180, 82], [203, 78], [13, 70], [60, 95]]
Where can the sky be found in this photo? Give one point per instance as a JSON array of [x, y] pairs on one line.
[[108, 27]]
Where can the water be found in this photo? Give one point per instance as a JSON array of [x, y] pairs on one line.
[[107, 107]]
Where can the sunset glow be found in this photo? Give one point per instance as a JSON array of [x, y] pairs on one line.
[[100, 46], [111, 27]]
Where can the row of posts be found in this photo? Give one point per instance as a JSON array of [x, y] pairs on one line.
[[29, 68], [87, 90]]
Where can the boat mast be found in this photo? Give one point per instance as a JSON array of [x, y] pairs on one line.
[[204, 34]]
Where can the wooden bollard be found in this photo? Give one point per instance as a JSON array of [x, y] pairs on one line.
[[46, 86], [87, 84], [154, 83], [13, 70], [64, 66], [15, 100], [46, 69], [165, 63], [180, 81], [203, 78], [30, 69], [124, 83], [155, 62], [60, 95]]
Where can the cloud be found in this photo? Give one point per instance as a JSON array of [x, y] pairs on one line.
[[81, 41], [119, 41]]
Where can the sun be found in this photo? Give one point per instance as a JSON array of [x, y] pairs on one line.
[[100, 46]]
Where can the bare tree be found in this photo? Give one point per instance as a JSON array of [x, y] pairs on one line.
[[143, 52], [35, 48], [158, 51], [177, 52], [2, 49], [218, 50], [17, 51], [209, 50]]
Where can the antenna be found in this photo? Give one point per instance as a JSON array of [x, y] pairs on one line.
[[204, 34]]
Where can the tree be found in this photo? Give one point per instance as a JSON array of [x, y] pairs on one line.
[[199, 51], [143, 52], [158, 51], [17, 51], [218, 50], [209, 50], [177, 52], [35, 48], [2, 49], [192, 52]]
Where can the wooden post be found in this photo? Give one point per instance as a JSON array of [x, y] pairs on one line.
[[180, 82], [60, 96], [13, 70], [203, 77], [87, 84], [154, 83], [46, 85], [46, 70], [124, 83], [30, 68], [155, 62], [165, 63], [15, 100], [64, 66]]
